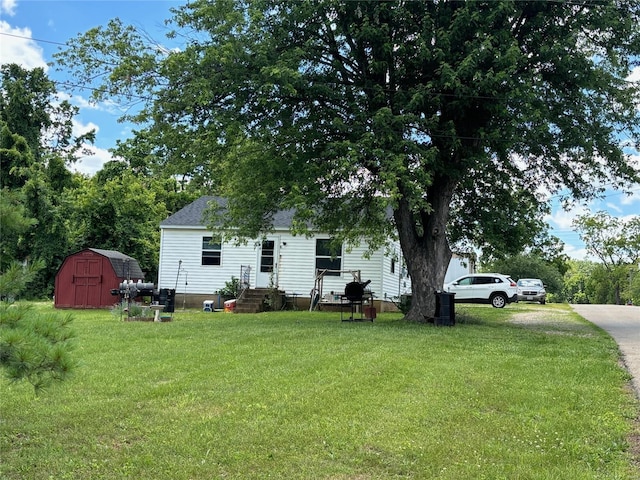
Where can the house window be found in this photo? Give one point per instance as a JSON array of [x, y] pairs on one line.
[[327, 258], [393, 266], [211, 251]]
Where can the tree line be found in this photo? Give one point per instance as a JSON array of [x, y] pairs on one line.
[[48, 211], [452, 117]]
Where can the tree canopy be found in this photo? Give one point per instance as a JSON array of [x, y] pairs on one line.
[[451, 115], [615, 243]]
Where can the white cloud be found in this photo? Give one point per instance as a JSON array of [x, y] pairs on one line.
[[91, 164], [614, 207], [8, 7], [18, 47], [81, 128], [576, 253], [635, 75], [563, 219]]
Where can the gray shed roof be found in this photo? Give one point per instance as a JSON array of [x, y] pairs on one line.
[[123, 265], [192, 214]]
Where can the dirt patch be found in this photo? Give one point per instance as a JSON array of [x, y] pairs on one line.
[[552, 323]]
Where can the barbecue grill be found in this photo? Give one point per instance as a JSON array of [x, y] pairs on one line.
[[354, 295], [129, 290]]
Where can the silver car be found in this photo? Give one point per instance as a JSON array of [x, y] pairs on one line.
[[532, 290]]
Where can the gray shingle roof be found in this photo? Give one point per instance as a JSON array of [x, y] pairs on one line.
[[192, 214], [123, 265]]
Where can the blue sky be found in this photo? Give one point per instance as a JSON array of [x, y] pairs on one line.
[[32, 30]]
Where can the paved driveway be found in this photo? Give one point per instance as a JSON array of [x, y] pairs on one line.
[[623, 324]]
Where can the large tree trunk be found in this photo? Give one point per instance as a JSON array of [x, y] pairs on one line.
[[426, 249]]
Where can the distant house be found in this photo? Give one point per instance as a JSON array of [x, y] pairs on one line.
[[85, 279], [197, 265]]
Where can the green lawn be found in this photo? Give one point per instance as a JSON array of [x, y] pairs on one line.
[[527, 392]]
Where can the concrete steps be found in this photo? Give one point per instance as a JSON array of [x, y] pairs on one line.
[[254, 300]]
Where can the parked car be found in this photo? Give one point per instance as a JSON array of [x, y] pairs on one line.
[[532, 290], [494, 288]]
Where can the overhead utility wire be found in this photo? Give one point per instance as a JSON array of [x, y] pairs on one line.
[[33, 39]]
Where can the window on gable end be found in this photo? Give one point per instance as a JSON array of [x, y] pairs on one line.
[[211, 251]]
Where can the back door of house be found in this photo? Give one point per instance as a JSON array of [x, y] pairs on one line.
[[267, 268]]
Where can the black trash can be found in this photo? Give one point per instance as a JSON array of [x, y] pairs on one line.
[[445, 309], [167, 297]]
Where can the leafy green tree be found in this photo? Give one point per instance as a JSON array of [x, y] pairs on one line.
[[632, 292], [615, 243], [36, 148], [600, 286], [16, 277], [450, 115], [118, 213], [529, 266], [48, 239], [14, 222], [166, 188], [15, 158], [31, 108], [576, 279], [35, 347]]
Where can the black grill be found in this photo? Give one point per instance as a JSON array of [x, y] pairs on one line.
[[354, 294], [354, 291]]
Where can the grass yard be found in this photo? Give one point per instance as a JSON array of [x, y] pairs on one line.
[[527, 392]]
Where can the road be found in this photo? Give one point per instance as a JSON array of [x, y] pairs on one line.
[[623, 324]]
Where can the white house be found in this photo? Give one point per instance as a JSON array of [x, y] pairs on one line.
[[197, 265]]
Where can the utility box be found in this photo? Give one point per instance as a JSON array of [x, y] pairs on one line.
[[445, 309]]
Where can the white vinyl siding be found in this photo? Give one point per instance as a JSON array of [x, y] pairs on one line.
[[181, 265]]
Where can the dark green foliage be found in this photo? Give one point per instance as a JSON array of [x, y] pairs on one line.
[[528, 266], [15, 277], [35, 347], [119, 211], [231, 288], [14, 222], [592, 282], [632, 292], [36, 147], [615, 243]]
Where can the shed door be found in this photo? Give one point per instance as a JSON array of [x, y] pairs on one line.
[[267, 270], [87, 282]]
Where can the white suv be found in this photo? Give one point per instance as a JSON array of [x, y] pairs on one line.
[[493, 288]]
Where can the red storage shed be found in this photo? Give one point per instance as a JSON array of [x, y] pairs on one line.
[[86, 278]]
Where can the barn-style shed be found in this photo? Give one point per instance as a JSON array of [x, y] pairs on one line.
[[86, 278]]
